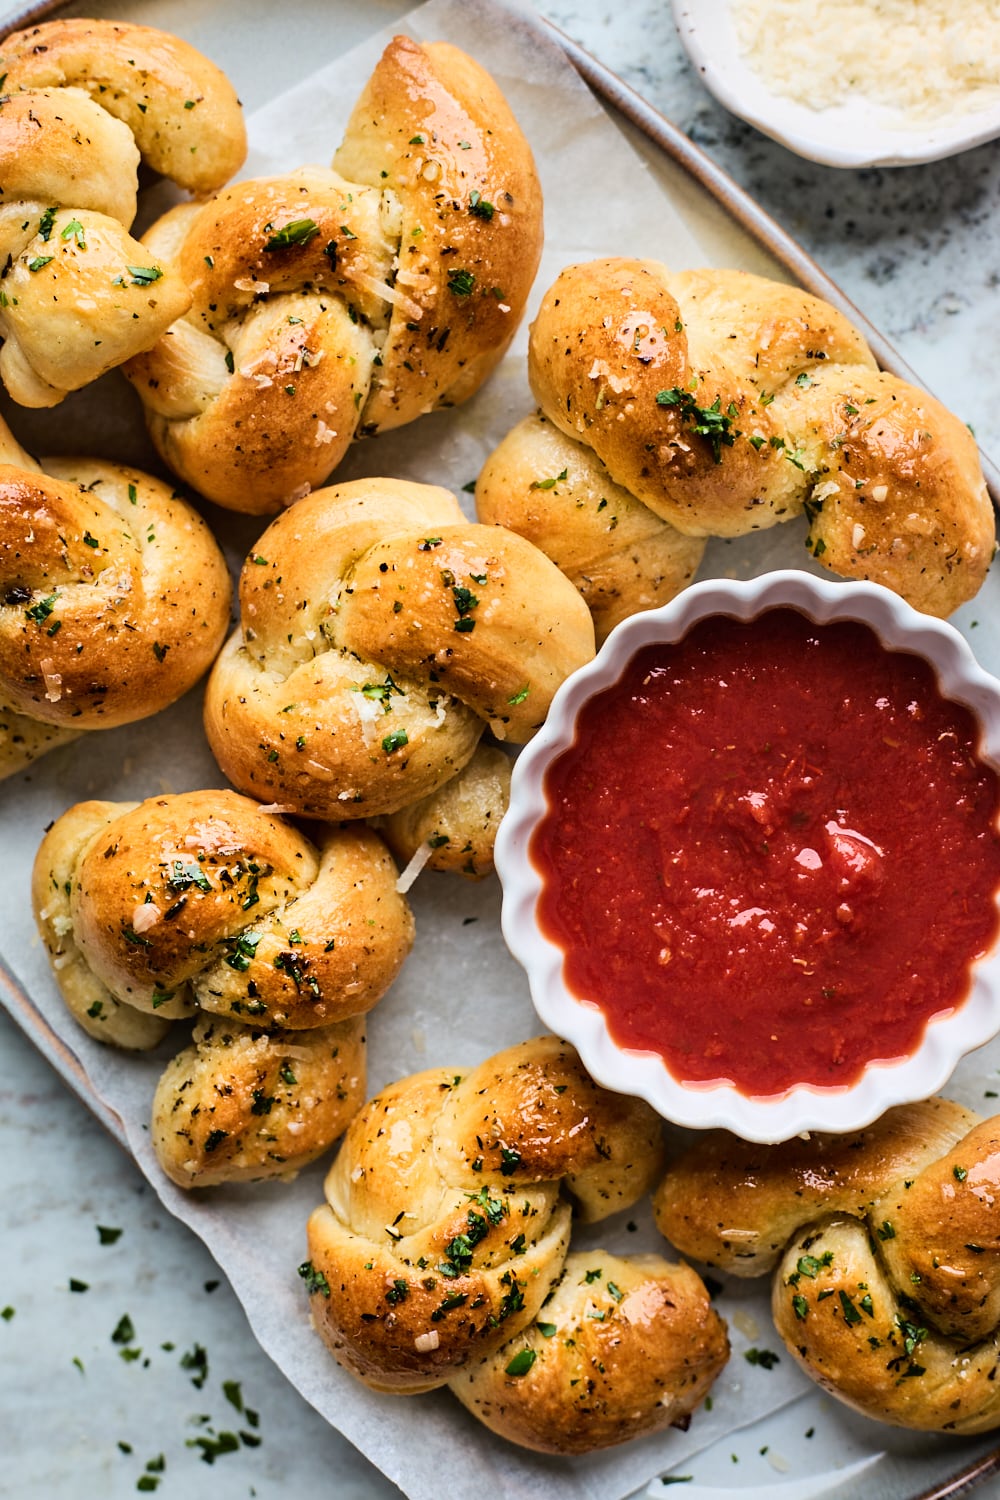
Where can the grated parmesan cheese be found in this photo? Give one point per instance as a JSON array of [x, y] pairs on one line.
[[922, 58]]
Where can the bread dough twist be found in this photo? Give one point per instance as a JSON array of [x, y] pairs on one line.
[[886, 1252], [381, 632], [675, 406], [204, 901], [440, 1254], [330, 303], [82, 102], [114, 599]]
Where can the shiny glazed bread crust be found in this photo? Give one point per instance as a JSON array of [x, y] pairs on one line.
[[84, 101], [720, 403], [329, 303], [887, 1255]]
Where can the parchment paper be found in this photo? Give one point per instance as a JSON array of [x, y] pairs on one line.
[[460, 997]]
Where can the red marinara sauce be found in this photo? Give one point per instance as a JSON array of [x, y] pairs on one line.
[[771, 853]]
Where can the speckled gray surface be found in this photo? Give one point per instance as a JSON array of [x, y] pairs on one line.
[[918, 250]]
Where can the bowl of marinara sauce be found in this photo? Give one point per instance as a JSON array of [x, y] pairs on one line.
[[752, 860]]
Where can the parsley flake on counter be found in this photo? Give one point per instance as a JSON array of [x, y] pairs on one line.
[[196, 1359], [106, 1235], [124, 1331], [78, 1286], [766, 1358], [7, 1313], [233, 1394]]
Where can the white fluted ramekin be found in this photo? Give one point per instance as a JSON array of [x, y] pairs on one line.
[[804, 1107]]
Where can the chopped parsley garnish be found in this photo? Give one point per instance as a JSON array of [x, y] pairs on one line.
[[398, 1292], [40, 612], [74, 231], [184, 875], [214, 1140], [550, 484], [709, 422], [960, 1173], [886, 1232], [144, 275], [521, 1363], [244, 949], [800, 1306], [298, 232], [912, 1335], [460, 283], [39, 263], [851, 1314], [547, 1330], [513, 1299], [479, 206], [509, 1161], [395, 741], [520, 696], [457, 1299], [382, 692], [48, 218], [809, 1266], [315, 1280], [494, 1208]]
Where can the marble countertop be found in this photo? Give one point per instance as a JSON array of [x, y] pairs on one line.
[[918, 250]]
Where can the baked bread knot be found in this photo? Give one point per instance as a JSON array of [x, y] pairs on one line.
[[84, 102], [621, 1348], [335, 303], [205, 900], [715, 403], [241, 1104], [114, 598], [381, 632], [886, 1253], [448, 1209]]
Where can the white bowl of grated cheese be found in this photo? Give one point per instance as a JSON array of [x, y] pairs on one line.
[[861, 83]]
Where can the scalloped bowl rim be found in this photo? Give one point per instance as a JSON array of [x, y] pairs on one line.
[[644, 1074], [853, 134]]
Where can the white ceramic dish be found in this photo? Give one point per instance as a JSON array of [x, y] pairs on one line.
[[853, 134], [803, 1107]]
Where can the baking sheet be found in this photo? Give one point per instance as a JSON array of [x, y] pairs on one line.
[[460, 996]]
